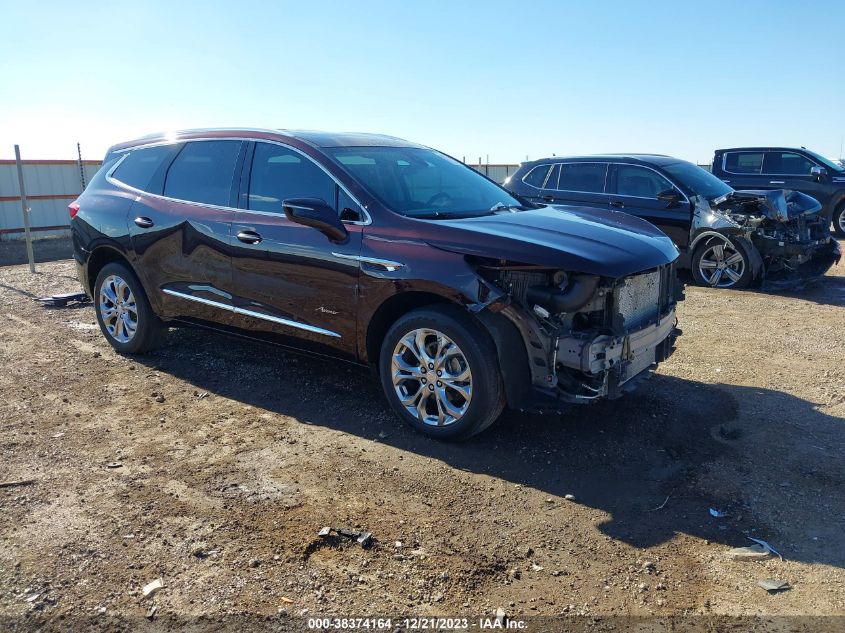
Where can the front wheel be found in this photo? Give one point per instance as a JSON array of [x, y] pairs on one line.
[[720, 263], [439, 371], [839, 220]]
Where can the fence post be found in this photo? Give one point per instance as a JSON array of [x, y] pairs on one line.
[[81, 168], [25, 211]]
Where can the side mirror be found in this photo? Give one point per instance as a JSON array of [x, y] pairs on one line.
[[315, 213], [818, 172], [670, 196]]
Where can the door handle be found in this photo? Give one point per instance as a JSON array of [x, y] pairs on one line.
[[249, 237], [143, 222], [777, 182], [549, 198], [617, 203]]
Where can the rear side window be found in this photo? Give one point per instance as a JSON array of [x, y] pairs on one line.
[[279, 173], [139, 168], [203, 172], [744, 162], [787, 164], [639, 182], [537, 176], [582, 177]]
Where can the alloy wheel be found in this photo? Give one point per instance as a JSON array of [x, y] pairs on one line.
[[721, 265], [432, 377], [118, 309]]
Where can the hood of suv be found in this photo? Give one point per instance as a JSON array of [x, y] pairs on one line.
[[593, 241]]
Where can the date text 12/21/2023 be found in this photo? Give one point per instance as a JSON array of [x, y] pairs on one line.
[[417, 623]]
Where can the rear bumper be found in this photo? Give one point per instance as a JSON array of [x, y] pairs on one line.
[[82, 274]]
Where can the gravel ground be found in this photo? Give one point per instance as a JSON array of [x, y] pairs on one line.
[[213, 463]]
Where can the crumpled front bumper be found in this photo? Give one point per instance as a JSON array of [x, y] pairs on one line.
[[815, 262], [622, 358]]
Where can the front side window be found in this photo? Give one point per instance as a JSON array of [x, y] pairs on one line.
[[422, 183], [582, 177], [537, 176], [203, 172], [279, 173], [787, 163], [141, 165], [744, 162], [640, 182]]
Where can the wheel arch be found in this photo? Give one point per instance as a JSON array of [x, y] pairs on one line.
[[510, 349], [755, 259], [105, 254], [390, 310]]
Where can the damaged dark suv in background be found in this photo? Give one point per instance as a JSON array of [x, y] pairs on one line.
[[728, 238], [377, 251]]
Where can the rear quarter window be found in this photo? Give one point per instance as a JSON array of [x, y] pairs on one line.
[[537, 176], [141, 166]]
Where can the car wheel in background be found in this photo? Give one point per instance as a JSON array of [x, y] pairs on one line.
[[439, 371], [721, 263], [839, 220], [123, 311]]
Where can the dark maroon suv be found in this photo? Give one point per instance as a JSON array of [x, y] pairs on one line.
[[380, 252]]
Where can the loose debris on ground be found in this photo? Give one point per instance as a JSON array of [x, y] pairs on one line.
[[220, 497]]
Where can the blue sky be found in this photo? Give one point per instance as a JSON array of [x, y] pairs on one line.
[[504, 79]]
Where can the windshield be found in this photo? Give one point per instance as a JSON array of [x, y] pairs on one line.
[[422, 183], [825, 161], [700, 181]]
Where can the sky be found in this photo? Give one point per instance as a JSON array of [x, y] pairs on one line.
[[503, 81]]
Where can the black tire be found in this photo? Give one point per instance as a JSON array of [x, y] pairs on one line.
[[487, 396], [738, 246], [149, 331], [839, 220]]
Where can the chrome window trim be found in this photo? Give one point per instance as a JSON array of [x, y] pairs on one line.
[[125, 151], [574, 162], [389, 265], [666, 178], [763, 162], [252, 313]]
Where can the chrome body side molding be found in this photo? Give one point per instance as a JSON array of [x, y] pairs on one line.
[[252, 313]]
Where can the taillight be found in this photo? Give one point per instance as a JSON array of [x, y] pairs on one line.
[[73, 209]]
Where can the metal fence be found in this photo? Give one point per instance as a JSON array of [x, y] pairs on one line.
[[50, 186], [496, 172]]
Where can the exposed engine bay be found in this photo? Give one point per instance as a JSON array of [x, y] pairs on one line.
[[786, 227], [587, 336]]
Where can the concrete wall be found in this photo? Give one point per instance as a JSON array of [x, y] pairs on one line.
[[51, 185]]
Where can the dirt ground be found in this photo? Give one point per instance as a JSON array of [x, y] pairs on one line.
[[213, 463]]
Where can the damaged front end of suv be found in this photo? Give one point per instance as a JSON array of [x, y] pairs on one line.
[[586, 336], [786, 240]]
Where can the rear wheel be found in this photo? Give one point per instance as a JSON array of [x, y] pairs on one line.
[[440, 373], [839, 220], [123, 311], [720, 263]]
